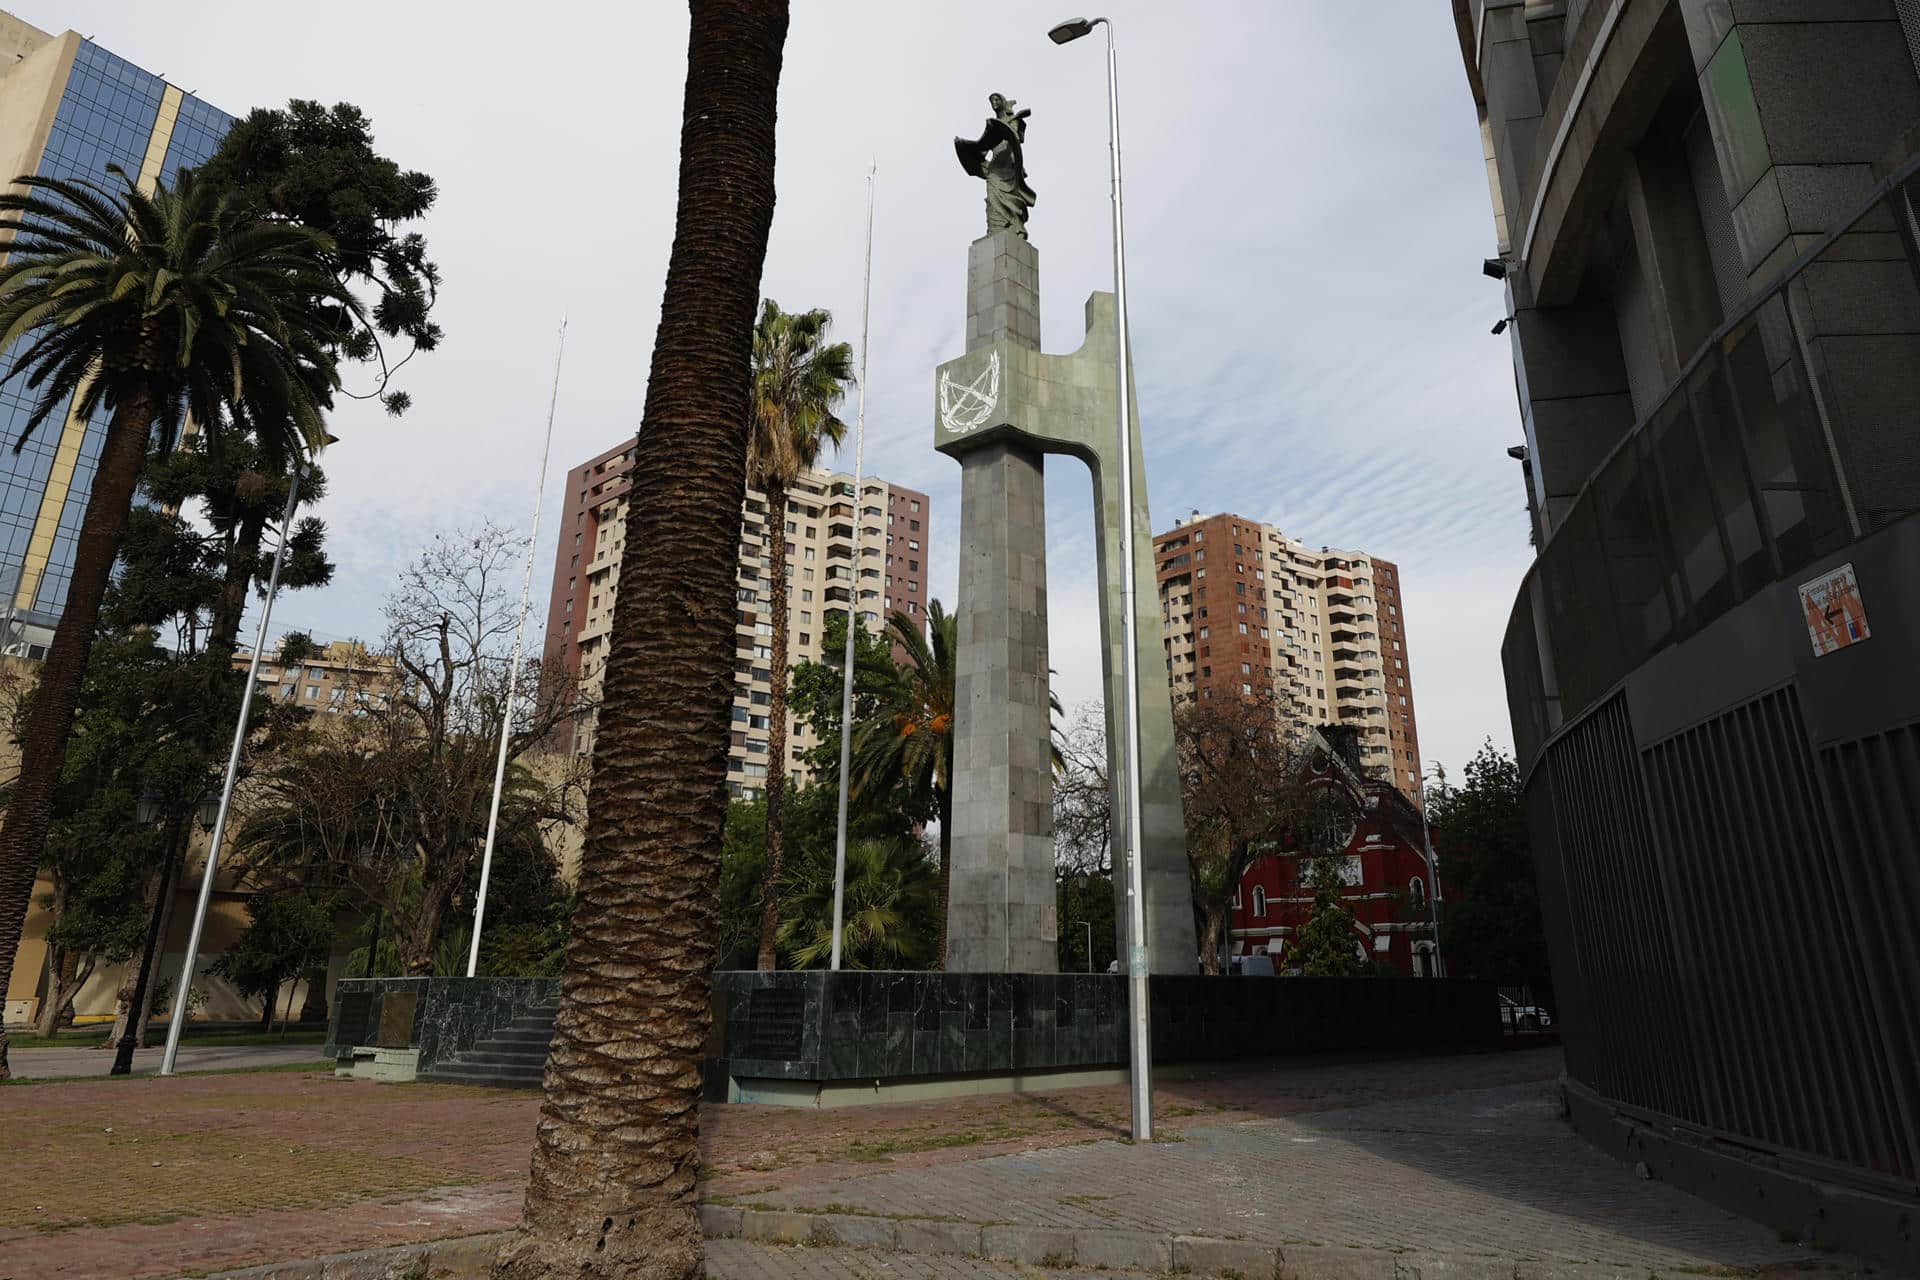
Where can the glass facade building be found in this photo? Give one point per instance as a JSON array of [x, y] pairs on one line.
[[105, 112]]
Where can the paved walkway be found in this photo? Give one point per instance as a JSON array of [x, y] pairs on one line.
[[56, 1064], [1491, 1176], [1461, 1159]]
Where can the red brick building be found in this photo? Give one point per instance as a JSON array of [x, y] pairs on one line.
[[1384, 867]]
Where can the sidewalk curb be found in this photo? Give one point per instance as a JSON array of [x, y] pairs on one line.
[[454, 1256], [471, 1257], [1114, 1249]]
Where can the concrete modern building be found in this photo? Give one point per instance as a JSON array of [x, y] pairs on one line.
[[895, 528], [1249, 612], [1705, 228], [68, 109]]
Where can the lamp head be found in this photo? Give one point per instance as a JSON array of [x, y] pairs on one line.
[[1500, 326], [1517, 452], [147, 808], [1071, 29], [1494, 268], [207, 812]]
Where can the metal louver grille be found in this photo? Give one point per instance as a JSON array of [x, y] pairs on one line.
[[1716, 219], [1620, 938], [1909, 11], [1791, 1047]]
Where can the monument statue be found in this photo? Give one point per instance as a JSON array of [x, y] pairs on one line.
[[996, 156], [999, 410]]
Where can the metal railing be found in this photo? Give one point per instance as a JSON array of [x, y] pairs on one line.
[[1790, 434]]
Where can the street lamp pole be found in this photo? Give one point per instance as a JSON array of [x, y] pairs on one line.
[[1088, 926], [1140, 1040], [179, 1020]]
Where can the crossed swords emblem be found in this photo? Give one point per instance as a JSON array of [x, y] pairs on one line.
[[966, 405]]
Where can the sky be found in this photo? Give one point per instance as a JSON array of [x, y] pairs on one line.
[[1306, 213]]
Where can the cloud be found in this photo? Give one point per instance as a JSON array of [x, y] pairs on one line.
[[1306, 210]]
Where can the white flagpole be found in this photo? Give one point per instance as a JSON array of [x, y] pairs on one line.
[[853, 603], [513, 669]]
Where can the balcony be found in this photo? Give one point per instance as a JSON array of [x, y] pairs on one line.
[[1782, 442]]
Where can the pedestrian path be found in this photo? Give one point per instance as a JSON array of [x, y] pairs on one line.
[[91, 1060], [1485, 1179]]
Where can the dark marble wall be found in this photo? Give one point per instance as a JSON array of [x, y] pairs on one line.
[[848, 1025], [450, 1014]]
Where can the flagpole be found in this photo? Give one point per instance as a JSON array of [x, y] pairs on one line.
[[853, 602], [513, 668]]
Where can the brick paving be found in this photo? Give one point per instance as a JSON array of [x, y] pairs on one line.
[[746, 1260], [62, 1063], [1489, 1174], [148, 1179]]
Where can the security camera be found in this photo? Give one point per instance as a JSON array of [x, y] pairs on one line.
[[1494, 268]]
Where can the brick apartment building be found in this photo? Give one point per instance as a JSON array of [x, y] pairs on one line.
[[1250, 612], [895, 525]]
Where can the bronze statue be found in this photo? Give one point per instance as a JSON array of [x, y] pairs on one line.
[[996, 156]]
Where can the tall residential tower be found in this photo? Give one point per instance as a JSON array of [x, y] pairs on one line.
[[1252, 613], [895, 525]]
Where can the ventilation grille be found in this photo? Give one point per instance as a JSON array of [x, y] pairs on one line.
[[1790, 1042], [1910, 23], [1626, 1033]]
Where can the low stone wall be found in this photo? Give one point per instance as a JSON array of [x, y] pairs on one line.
[[826, 1027], [438, 1016]]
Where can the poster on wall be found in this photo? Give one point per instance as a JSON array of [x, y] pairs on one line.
[[1836, 615]]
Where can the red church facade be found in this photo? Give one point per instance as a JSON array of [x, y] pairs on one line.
[[1388, 888]]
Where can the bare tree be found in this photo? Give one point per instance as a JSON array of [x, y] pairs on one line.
[[390, 795], [1082, 795], [1247, 788]]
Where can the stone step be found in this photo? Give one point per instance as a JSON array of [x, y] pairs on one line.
[[516, 1053], [520, 1035], [500, 1076]]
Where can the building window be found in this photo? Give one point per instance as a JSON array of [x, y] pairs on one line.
[[1259, 902], [1417, 892]]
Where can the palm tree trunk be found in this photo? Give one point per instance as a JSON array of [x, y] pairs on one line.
[[946, 872], [231, 605], [616, 1156], [776, 723], [43, 747]]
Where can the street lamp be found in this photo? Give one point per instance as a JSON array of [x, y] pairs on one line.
[[149, 810], [1140, 1043], [179, 1020], [1438, 969]]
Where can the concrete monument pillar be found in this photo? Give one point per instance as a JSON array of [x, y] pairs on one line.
[[998, 410]]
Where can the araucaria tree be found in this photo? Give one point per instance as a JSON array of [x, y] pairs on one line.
[[616, 1156], [798, 380], [155, 309]]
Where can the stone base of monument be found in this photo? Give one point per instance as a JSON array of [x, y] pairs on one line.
[[822, 1039]]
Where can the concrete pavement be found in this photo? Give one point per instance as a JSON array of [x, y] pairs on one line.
[[56, 1064]]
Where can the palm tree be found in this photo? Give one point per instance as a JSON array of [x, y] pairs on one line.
[[616, 1155], [798, 378], [150, 307], [909, 744], [889, 908]]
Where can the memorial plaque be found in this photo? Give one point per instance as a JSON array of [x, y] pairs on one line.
[[396, 1020], [356, 1010], [775, 1019]]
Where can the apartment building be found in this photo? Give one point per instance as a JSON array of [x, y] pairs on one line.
[[69, 109], [822, 510], [335, 677], [1252, 613]]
